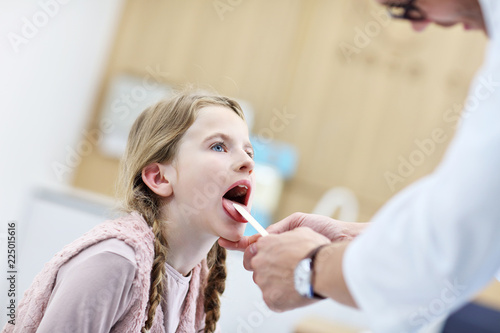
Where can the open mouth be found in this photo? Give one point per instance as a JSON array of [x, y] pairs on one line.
[[238, 193]]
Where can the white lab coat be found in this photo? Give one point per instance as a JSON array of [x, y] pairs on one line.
[[437, 243]]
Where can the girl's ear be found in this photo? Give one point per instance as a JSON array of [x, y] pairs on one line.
[[155, 177]]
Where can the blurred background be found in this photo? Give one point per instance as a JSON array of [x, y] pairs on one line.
[[346, 108]]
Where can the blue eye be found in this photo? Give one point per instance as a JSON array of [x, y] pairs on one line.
[[219, 147]]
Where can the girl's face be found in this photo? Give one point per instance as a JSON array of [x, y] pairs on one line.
[[213, 167]]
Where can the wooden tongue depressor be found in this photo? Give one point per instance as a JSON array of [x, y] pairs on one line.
[[250, 219]]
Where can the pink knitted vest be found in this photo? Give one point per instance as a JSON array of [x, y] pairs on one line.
[[134, 231]]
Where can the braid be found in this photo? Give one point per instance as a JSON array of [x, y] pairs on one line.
[[157, 275], [216, 284], [148, 205]]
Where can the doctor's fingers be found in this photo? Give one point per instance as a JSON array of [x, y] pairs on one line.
[[270, 260], [280, 250], [250, 252], [269, 293], [240, 245], [230, 245], [278, 290], [272, 278], [288, 223]]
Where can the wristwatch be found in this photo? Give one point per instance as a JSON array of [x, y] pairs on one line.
[[304, 275]]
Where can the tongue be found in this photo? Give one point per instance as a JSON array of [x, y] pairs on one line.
[[228, 206]]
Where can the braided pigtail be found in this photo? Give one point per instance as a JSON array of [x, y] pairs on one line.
[[157, 275], [216, 284], [149, 206]]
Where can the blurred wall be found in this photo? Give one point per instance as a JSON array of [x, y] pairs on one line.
[[52, 58], [369, 104]]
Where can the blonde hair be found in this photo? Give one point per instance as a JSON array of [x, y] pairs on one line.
[[155, 137]]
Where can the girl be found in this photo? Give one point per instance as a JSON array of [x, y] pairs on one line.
[[159, 268]]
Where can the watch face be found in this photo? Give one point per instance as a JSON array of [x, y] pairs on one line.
[[302, 277]]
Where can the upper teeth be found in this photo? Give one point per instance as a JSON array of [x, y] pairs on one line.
[[243, 186]]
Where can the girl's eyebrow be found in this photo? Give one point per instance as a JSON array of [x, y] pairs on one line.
[[217, 135]]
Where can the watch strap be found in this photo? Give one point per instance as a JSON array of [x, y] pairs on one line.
[[312, 256]]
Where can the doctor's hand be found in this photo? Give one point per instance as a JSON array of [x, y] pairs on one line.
[[334, 230], [273, 262]]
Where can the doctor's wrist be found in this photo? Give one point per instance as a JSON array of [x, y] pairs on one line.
[[329, 278]]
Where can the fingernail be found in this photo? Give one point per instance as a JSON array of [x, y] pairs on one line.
[[253, 248]]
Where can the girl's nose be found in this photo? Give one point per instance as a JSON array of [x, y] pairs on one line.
[[246, 163]]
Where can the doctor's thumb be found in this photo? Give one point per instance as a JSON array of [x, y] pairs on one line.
[[250, 252]]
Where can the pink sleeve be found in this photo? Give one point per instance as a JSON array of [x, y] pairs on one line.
[[92, 293]]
